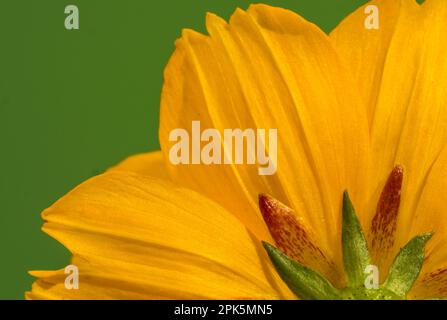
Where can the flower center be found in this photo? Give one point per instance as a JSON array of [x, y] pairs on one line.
[[297, 254]]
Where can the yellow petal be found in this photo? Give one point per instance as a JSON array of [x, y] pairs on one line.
[[431, 285], [431, 214], [365, 50], [149, 164], [134, 236], [270, 68], [403, 67]]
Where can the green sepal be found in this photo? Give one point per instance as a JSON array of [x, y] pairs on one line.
[[407, 265], [306, 283], [355, 248]]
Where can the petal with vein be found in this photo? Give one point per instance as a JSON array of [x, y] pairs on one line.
[[149, 164], [431, 285], [138, 237], [270, 68], [403, 72], [431, 215]]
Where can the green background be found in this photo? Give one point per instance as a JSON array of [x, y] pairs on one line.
[[74, 102]]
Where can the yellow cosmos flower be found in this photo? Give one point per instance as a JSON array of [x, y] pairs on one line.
[[358, 110]]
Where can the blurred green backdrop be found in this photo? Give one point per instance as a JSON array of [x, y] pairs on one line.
[[74, 102]]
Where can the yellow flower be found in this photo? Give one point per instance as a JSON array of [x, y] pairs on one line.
[[349, 107]]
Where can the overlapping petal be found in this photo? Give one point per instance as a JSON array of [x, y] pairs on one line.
[[134, 236], [431, 215], [150, 164], [402, 72], [270, 68]]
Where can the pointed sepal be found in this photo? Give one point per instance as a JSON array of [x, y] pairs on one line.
[[407, 265], [355, 248], [306, 283]]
